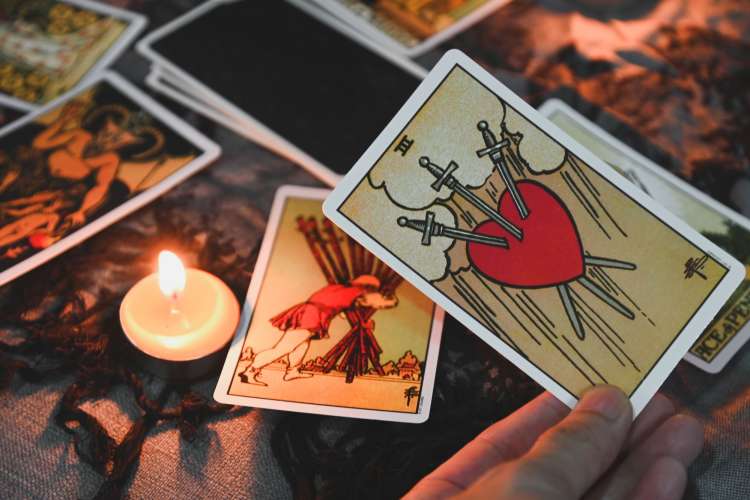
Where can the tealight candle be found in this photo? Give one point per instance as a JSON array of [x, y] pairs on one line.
[[179, 319]]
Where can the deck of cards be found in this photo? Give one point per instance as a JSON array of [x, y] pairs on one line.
[[569, 253], [274, 72]]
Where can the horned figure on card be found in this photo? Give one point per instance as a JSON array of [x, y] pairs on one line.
[[357, 286], [529, 241]]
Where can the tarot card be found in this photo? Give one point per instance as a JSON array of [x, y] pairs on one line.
[[730, 329], [408, 27], [48, 47], [83, 162], [531, 241], [327, 328], [312, 115], [192, 99]]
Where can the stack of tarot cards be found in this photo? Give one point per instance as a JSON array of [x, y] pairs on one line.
[[540, 233], [313, 80]]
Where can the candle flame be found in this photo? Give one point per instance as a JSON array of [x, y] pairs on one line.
[[171, 274]]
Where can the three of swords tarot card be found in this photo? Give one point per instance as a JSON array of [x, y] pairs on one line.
[[327, 327], [730, 329], [48, 47], [83, 162], [536, 245]]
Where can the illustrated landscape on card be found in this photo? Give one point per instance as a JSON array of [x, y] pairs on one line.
[[349, 332], [541, 249]]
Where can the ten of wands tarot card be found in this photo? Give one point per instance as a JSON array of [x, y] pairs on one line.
[[409, 27], [540, 248], [47, 47], [730, 329], [83, 162], [327, 327]]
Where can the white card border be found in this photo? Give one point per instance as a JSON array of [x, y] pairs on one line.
[[136, 24], [669, 359], [211, 151], [163, 84], [552, 106], [370, 30], [161, 77], [282, 145], [221, 393]]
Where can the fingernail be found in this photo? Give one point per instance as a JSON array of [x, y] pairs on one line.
[[609, 402]]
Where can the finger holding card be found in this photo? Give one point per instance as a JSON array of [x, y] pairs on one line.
[[48, 47], [327, 327], [520, 233]]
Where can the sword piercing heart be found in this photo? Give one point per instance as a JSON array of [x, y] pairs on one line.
[[550, 252]]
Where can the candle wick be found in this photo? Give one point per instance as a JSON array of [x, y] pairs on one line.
[[173, 303]]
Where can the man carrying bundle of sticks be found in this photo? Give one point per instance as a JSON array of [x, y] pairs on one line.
[[357, 299]]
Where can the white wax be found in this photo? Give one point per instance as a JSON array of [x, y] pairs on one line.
[[199, 323]]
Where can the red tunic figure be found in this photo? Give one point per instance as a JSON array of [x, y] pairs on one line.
[[311, 320], [316, 313]]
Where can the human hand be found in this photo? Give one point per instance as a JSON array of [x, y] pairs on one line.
[[76, 219], [545, 451]]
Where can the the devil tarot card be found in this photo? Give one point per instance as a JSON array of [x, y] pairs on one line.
[[540, 248], [327, 327], [83, 162]]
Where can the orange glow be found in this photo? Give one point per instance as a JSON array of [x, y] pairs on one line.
[[171, 274]]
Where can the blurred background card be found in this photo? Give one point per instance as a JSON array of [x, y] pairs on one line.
[[47, 47], [411, 27]]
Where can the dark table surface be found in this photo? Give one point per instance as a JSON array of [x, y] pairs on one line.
[[668, 77]]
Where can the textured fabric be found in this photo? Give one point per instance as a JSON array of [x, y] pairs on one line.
[[231, 458], [722, 403]]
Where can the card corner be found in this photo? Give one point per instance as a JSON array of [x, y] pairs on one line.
[[219, 394], [330, 206], [551, 105], [421, 418]]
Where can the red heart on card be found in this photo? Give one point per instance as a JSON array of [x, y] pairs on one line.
[[550, 252]]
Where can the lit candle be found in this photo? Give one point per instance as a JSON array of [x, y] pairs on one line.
[[180, 319]]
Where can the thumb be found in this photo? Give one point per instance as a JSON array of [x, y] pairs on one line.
[[570, 457]]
